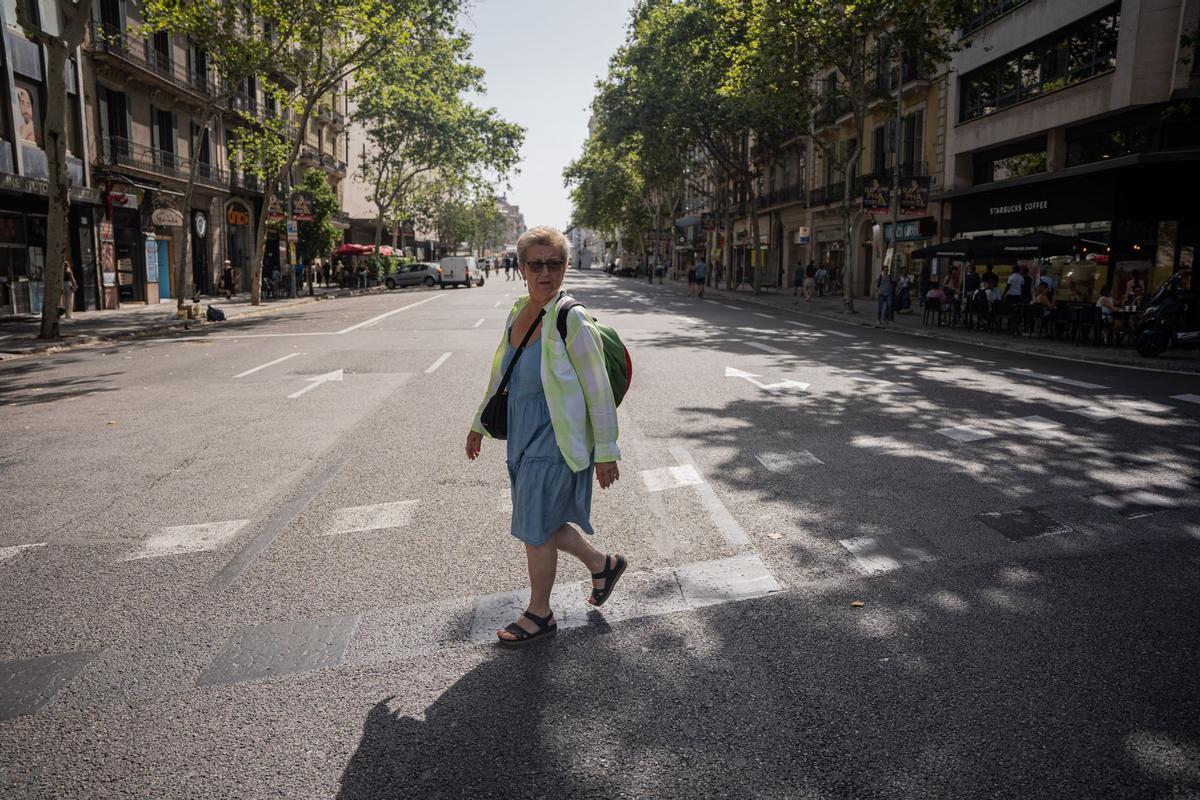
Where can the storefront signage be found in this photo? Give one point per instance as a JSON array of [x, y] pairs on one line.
[[829, 234], [909, 230], [275, 210], [1017, 208], [803, 235], [151, 259], [167, 217], [200, 222], [20, 183], [237, 217], [302, 206], [126, 200]]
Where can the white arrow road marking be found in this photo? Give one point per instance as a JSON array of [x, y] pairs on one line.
[[477, 324], [268, 364], [316, 381], [730, 372], [798, 324], [441, 360], [9, 552], [766, 348], [1187, 398], [188, 539], [843, 335], [373, 518], [764, 316]]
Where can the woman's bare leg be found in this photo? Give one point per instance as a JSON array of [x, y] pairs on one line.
[[572, 541], [543, 564]]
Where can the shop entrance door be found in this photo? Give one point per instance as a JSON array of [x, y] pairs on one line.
[[164, 267]]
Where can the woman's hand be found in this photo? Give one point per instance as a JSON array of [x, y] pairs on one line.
[[474, 444], [607, 473]]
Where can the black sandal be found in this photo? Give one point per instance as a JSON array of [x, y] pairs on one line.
[[545, 627], [610, 575]]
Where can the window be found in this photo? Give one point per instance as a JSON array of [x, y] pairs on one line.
[[981, 12], [162, 51], [879, 150], [913, 144], [1080, 51], [1011, 161]]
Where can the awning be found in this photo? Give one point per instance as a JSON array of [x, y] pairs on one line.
[[1037, 244], [363, 250], [959, 248]]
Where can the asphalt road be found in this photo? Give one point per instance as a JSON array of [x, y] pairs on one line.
[[253, 562]]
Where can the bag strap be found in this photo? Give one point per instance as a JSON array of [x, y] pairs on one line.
[[564, 307], [508, 372]]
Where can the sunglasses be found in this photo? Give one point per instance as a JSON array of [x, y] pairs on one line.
[[554, 265]]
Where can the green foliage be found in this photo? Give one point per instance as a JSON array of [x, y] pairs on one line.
[[317, 239]]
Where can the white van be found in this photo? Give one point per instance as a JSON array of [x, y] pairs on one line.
[[457, 271]]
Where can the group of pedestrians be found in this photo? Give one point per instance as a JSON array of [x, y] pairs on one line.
[[813, 280]]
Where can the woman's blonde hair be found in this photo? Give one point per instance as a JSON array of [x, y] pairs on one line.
[[543, 234]]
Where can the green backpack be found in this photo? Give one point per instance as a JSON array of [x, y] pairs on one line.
[[617, 362]]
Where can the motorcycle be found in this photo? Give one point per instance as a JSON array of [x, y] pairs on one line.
[[1171, 320]]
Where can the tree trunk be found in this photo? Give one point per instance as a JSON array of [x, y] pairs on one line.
[[59, 189], [184, 245]]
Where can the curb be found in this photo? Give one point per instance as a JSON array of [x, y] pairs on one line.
[[1017, 343], [51, 348]]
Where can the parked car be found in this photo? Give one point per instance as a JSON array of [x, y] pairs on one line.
[[419, 274], [457, 271]]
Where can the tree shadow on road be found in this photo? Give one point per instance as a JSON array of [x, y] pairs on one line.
[[1016, 682]]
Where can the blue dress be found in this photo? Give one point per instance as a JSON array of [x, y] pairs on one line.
[[546, 494]]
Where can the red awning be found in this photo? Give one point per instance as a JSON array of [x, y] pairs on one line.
[[362, 250]]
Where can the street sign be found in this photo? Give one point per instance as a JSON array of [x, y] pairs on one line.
[[803, 235], [293, 231]]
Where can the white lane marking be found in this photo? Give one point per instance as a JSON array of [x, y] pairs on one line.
[[735, 308], [188, 539], [1092, 413], [876, 556], [766, 348], [798, 324], [315, 381], [664, 478], [7, 553], [782, 462], [886, 386], [1036, 423], [717, 512], [764, 316], [1187, 398], [373, 517], [477, 324], [268, 364], [643, 593], [913, 350], [963, 433], [441, 360], [497, 304], [843, 335], [381, 317], [1028, 373]]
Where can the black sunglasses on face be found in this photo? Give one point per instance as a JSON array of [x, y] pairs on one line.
[[554, 265]]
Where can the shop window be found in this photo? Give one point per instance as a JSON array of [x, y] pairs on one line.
[[1080, 51]]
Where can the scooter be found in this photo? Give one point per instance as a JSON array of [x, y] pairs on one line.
[[1172, 320]]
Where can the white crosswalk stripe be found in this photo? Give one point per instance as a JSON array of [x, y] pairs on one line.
[[179, 539], [373, 517], [7, 553], [964, 433]]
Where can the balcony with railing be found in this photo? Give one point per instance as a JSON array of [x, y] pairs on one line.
[[827, 195], [832, 109], [110, 43], [784, 195], [340, 219], [245, 182], [118, 151]]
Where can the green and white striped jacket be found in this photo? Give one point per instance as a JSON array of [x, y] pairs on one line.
[[578, 394]]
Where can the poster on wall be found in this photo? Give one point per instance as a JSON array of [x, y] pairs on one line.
[[108, 253], [876, 197], [151, 260], [914, 195]]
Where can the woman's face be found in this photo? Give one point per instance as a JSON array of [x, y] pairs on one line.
[[543, 285], [26, 104]]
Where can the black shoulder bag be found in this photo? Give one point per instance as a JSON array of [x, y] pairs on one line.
[[495, 414]]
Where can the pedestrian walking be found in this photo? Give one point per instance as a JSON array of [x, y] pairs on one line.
[[561, 429], [67, 302], [904, 292], [701, 276], [318, 271], [884, 287], [820, 274], [810, 287], [507, 270], [227, 279], [797, 279], [691, 279], [1026, 286]]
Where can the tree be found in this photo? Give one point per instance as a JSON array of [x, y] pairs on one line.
[[847, 45], [313, 47], [74, 18], [318, 237], [410, 105], [224, 33]]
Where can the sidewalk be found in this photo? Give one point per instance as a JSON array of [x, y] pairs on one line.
[[18, 335], [830, 307]]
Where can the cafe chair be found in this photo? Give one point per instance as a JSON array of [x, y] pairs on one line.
[[933, 308]]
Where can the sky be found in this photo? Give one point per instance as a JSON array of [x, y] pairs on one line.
[[542, 59]]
